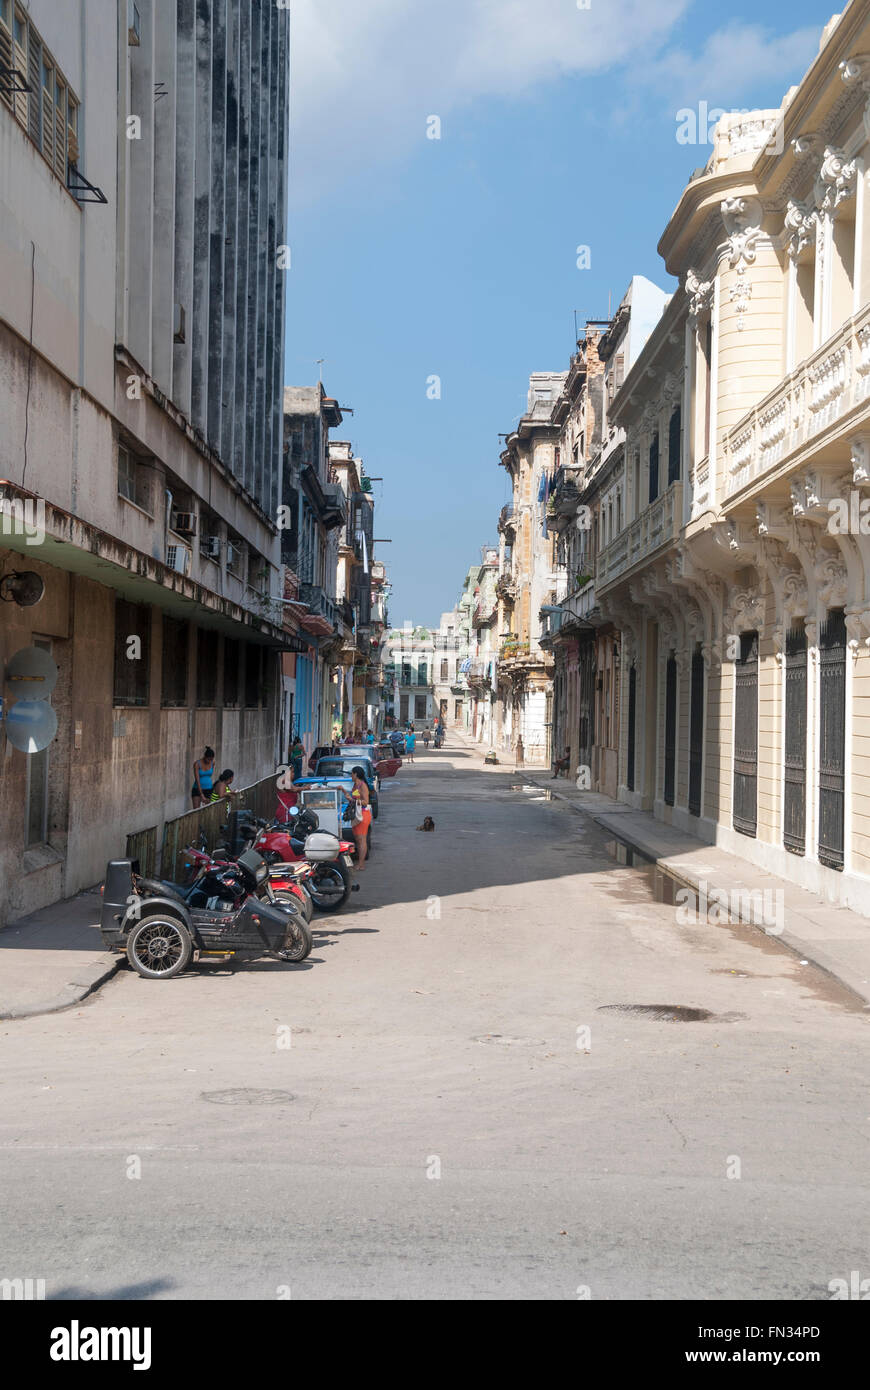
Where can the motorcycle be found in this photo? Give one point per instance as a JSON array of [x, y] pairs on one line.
[[291, 890], [299, 842], [163, 926]]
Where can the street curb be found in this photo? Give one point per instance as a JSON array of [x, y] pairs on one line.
[[108, 965], [857, 983]]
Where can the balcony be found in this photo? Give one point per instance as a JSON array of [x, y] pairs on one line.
[[327, 499], [484, 614], [659, 525], [802, 413], [506, 521], [322, 616], [506, 588], [564, 499]]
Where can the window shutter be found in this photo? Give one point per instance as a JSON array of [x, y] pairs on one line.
[[34, 77]]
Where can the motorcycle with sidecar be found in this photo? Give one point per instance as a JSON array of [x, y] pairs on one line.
[[163, 926]]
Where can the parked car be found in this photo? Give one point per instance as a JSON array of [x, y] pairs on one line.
[[321, 751], [342, 765], [387, 762]]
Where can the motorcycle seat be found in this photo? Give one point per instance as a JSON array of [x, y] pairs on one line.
[[157, 888]]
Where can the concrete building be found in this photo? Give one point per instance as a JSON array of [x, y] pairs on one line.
[[144, 158], [315, 511], [449, 667], [524, 669], [585, 510], [359, 695], [483, 648], [410, 653], [740, 576]]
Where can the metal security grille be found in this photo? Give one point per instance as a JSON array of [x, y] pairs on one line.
[[632, 719], [832, 739], [745, 816], [795, 742], [670, 729], [696, 734]]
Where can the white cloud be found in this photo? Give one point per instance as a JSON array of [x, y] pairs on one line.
[[736, 60], [365, 74]]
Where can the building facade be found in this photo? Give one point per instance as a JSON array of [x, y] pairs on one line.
[[739, 579], [524, 669], [144, 152]]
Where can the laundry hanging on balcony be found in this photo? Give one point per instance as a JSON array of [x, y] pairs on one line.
[[543, 499]]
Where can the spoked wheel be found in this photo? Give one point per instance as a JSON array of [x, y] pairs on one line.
[[298, 943], [329, 887], [159, 947]]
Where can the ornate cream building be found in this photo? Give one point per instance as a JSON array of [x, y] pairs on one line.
[[740, 576]]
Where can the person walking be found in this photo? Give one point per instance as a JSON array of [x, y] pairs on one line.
[[203, 778], [521, 752], [361, 799], [426, 739], [410, 744]]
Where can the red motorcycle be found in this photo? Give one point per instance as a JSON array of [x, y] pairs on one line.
[[301, 847]]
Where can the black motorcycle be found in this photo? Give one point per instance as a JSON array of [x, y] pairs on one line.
[[162, 926]]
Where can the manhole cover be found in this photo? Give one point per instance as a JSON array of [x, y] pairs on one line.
[[661, 1013], [247, 1096], [502, 1041]]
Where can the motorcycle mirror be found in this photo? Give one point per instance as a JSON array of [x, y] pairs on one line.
[[293, 812]]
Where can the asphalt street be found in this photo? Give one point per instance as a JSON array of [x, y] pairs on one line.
[[456, 1096]]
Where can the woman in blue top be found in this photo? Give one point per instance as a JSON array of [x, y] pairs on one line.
[[203, 778], [410, 743]]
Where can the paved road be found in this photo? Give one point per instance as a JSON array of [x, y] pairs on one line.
[[435, 1030]]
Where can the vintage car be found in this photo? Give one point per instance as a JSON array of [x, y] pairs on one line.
[[387, 763]]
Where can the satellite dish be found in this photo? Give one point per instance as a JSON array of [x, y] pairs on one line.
[[31, 674], [24, 587], [31, 725]]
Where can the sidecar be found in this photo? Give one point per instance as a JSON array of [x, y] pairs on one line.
[[161, 933]]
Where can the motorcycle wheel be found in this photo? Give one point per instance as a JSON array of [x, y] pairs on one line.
[[159, 947], [304, 905], [329, 887], [300, 942]]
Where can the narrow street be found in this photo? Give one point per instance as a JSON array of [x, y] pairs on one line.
[[438, 1127]]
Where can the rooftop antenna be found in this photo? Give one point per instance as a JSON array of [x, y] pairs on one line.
[[319, 363]]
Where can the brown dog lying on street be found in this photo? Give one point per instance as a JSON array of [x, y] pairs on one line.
[[428, 824]]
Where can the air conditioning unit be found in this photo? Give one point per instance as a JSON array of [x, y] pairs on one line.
[[134, 25], [211, 546], [178, 558], [234, 557], [184, 523]]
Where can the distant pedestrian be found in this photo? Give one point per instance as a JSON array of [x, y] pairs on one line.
[[297, 753], [203, 778], [521, 752], [426, 739], [410, 744]]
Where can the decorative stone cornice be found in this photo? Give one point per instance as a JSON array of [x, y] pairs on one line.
[[836, 180], [801, 225], [699, 294], [742, 218]]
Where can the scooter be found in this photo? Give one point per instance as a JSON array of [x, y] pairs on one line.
[[162, 927]]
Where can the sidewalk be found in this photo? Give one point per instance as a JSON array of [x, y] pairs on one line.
[[53, 958], [834, 938]]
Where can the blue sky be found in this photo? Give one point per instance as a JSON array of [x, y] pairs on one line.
[[457, 257]]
